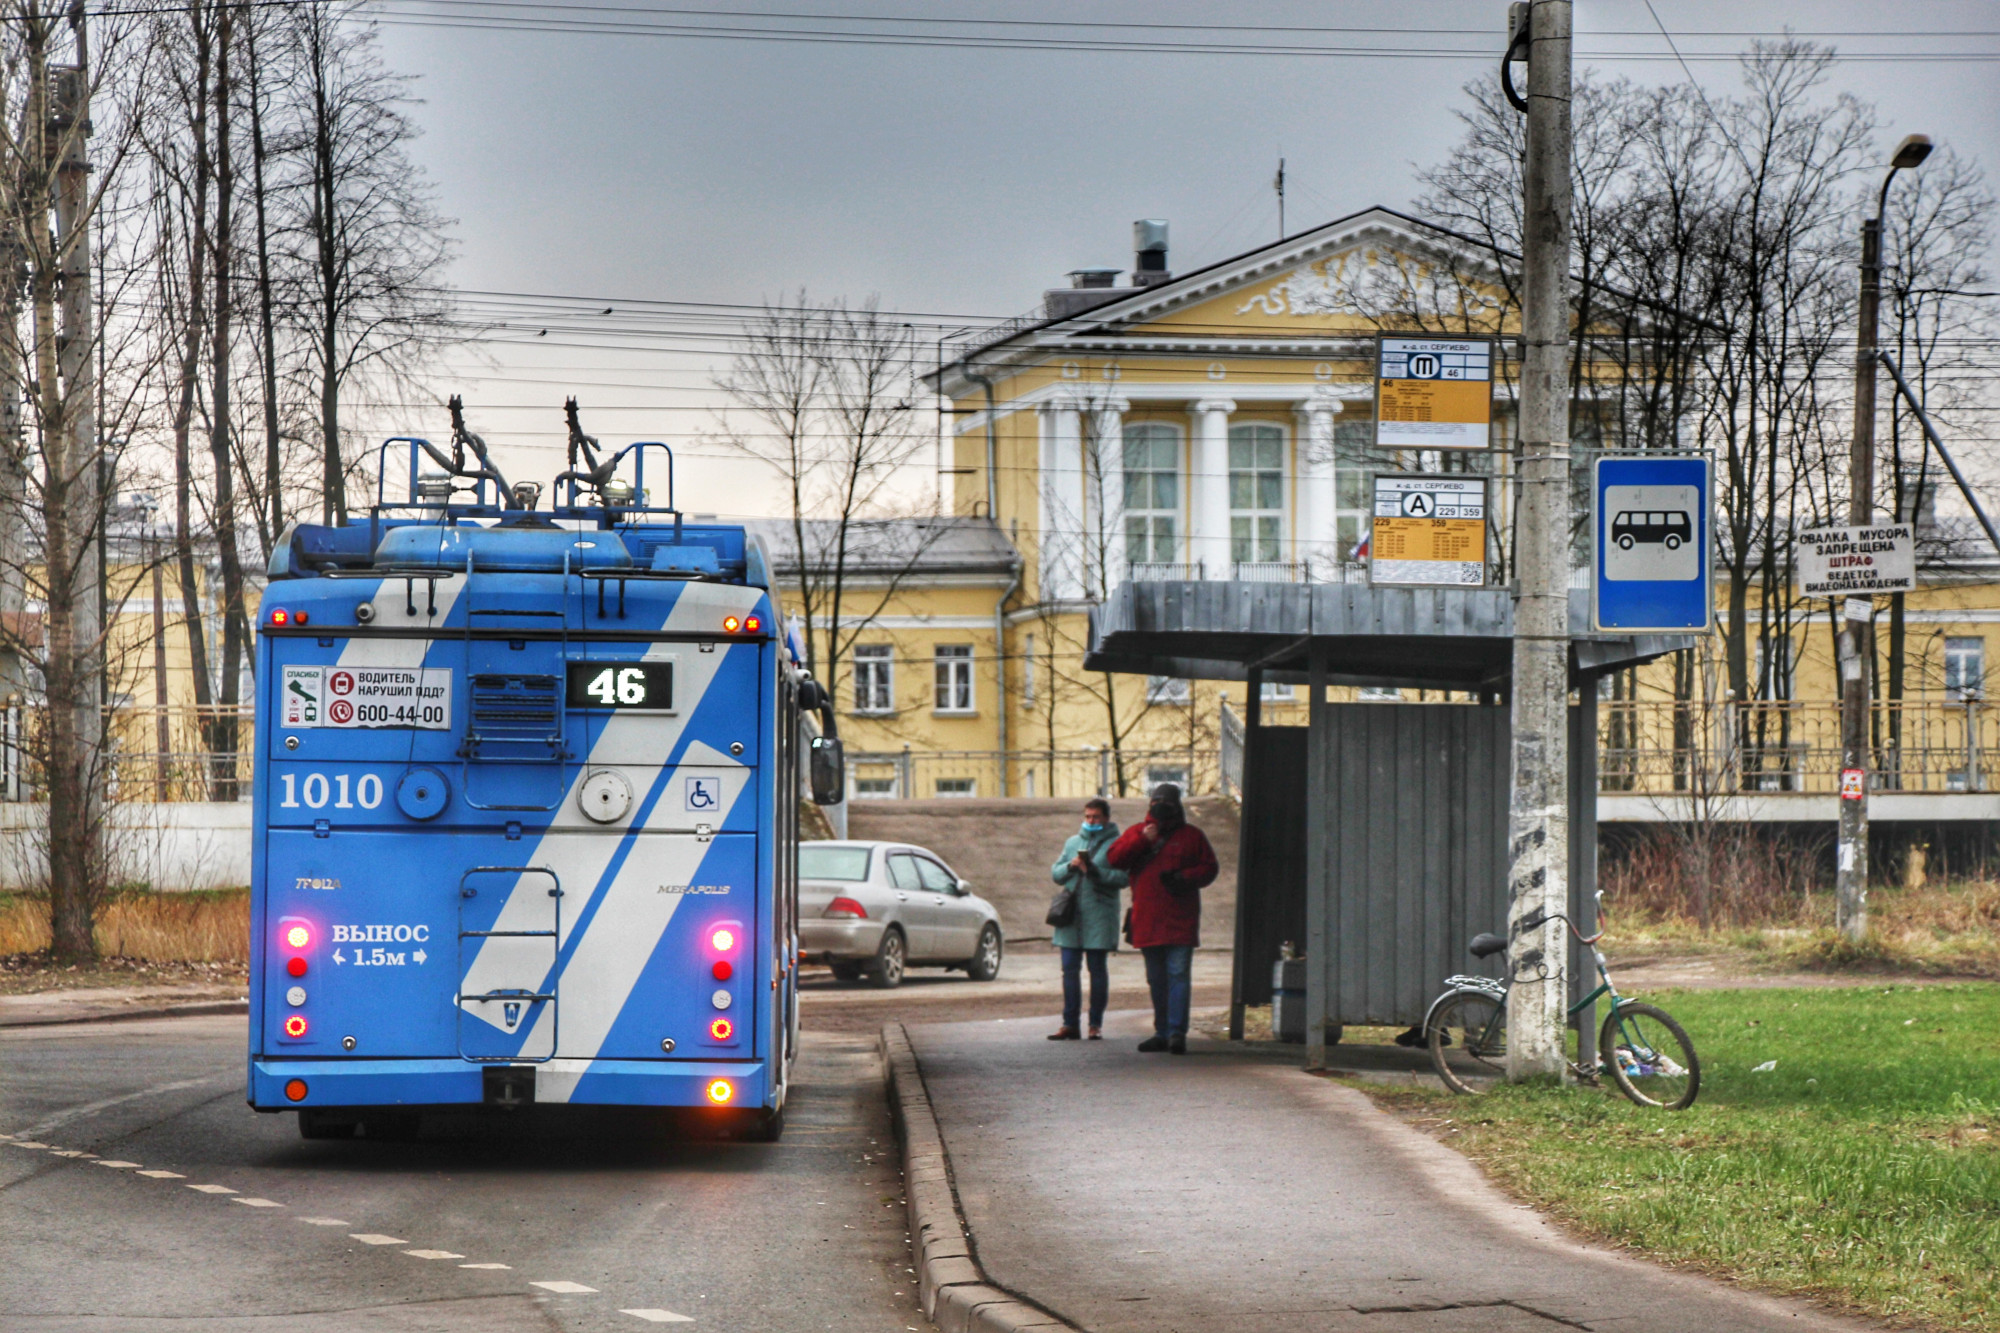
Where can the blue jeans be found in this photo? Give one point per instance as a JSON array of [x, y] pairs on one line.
[[1170, 976], [1100, 985]]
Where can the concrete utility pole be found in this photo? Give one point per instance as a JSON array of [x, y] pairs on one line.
[[1538, 814], [1857, 639], [77, 368]]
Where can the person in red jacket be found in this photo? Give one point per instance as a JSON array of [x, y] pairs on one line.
[[1170, 862]]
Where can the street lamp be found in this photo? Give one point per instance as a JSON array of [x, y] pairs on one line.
[[1851, 882]]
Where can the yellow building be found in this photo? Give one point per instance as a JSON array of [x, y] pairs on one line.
[[1216, 425]]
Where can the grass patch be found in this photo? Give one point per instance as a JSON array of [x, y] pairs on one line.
[[1863, 1169], [205, 926]]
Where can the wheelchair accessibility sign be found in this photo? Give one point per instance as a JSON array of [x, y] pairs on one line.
[[703, 795]]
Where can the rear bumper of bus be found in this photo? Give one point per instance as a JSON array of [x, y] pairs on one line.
[[451, 1082]]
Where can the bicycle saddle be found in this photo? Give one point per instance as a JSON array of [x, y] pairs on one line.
[[1486, 945]]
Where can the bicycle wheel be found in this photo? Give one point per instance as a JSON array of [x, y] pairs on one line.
[[1470, 1028], [1649, 1056]]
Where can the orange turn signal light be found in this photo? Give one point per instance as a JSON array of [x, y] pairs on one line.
[[730, 624], [720, 1092]]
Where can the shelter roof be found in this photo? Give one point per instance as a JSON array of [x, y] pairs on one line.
[[1411, 638], [891, 547]]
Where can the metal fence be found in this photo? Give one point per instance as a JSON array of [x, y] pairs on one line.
[[908, 774], [156, 753], [1249, 571]]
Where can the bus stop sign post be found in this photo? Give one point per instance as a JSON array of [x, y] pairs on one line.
[[1652, 565]]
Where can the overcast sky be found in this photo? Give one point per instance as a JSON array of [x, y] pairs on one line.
[[965, 181]]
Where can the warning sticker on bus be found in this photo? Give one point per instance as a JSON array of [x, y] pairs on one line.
[[348, 697]]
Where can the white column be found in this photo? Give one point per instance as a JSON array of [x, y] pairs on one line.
[[1316, 543], [1104, 474], [1208, 487], [1062, 510]]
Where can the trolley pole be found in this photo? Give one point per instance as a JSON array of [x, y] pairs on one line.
[[1538, 814]]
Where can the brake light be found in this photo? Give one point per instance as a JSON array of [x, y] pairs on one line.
[[722, 1029], [751, 624], [722, 970], [298, 936], [295, 1090], [723, 939], [720, 1092], [297, 967], [280, 616], [295, 1026], [846, 909]]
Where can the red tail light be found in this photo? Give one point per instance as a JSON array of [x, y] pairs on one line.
[[295, 1026], [722, 1029], [845, 909], [295, 1090], [723, 940], [296, 967], [280, 616], [722, 970]]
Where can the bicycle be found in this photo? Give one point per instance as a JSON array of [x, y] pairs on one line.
[[1646, 1053]]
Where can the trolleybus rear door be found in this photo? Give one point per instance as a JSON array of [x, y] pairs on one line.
[[509, 1011]]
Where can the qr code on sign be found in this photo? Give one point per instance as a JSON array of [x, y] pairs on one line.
[[1472, 572]]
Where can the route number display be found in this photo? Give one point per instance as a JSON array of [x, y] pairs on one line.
[[1428, 530], [1433, 393], [344, 698], [640, 686]]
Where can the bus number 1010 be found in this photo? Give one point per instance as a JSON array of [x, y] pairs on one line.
[[318, 792]]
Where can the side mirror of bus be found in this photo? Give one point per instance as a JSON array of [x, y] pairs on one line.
[[829, 771]]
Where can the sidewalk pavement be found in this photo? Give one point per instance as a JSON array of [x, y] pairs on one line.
[[105, 1004], [1229, 1190]]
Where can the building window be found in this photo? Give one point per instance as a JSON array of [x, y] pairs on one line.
[[1774, 668], [1166, 690], [954, 678], [875, 789], [1275, 691], [1256, 492], [957, 787], [1353, 432], [1380, 693], [1152, 494], [1964, 668], [874, 678]]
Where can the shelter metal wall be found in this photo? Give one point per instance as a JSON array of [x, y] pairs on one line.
[[1407, 814], [1271, 863]]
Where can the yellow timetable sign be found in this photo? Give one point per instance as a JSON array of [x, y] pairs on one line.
[[1433, 393], [1428, 530]]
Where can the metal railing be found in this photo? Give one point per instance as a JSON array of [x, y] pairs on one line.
[[923, 774], [1249, 571], [1666, 747], [175, 753]]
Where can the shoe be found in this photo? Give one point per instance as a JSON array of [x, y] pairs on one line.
[[1154, 1044], [1177, 1045], [1064, 1034], [1097, 1034]]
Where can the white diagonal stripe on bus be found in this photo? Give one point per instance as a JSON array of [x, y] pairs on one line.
[[392, 612]]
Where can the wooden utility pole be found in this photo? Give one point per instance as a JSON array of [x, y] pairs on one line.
[[1538, 814]]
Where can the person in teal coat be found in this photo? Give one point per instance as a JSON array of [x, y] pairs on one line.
[[1094, 933]]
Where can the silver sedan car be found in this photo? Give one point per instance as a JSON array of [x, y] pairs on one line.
[[875, 909]]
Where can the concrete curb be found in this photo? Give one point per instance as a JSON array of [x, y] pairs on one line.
[[121, 1015], [951, 1285]]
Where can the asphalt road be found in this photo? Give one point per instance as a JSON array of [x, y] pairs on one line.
[[196, 1213]]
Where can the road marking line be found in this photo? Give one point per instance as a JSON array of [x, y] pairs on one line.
[[71, 1152], [376, 1238], [258, 1203], [566, 1288], [432, 1254], [118, 1166], [163, 1175], [23, 1143], [78, 1112], [213, 1189], [485, 1266], [326, 1222], [659, 1316]]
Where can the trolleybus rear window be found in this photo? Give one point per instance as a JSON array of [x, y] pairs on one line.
[[635, 685]]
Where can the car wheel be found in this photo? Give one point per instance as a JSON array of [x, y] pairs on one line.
[[847, 971], [892, 958], [985, 964]]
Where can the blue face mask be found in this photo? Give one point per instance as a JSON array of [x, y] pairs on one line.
[[1093, 828]]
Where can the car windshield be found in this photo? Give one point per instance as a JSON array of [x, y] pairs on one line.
[[850, 863]]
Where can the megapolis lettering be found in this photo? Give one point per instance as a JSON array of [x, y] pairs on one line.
[[380, 934]]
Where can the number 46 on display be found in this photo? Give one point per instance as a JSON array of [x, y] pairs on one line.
[[618, 685]]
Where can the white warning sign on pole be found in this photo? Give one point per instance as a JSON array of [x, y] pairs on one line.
[[1856, 561]]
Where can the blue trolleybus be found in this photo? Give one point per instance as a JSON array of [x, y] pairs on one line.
[[526, 802]]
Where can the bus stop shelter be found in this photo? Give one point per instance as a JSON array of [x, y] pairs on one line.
[[1376, 835]]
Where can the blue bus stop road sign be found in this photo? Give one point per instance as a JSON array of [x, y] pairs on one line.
[[1652, 545]]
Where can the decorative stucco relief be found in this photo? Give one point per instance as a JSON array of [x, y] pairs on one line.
[[1370, 283]]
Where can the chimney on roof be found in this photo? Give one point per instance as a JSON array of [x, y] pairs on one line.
[[1092, 277], [1149, 261]]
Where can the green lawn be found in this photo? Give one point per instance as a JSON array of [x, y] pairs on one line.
[[1864, 1168]]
